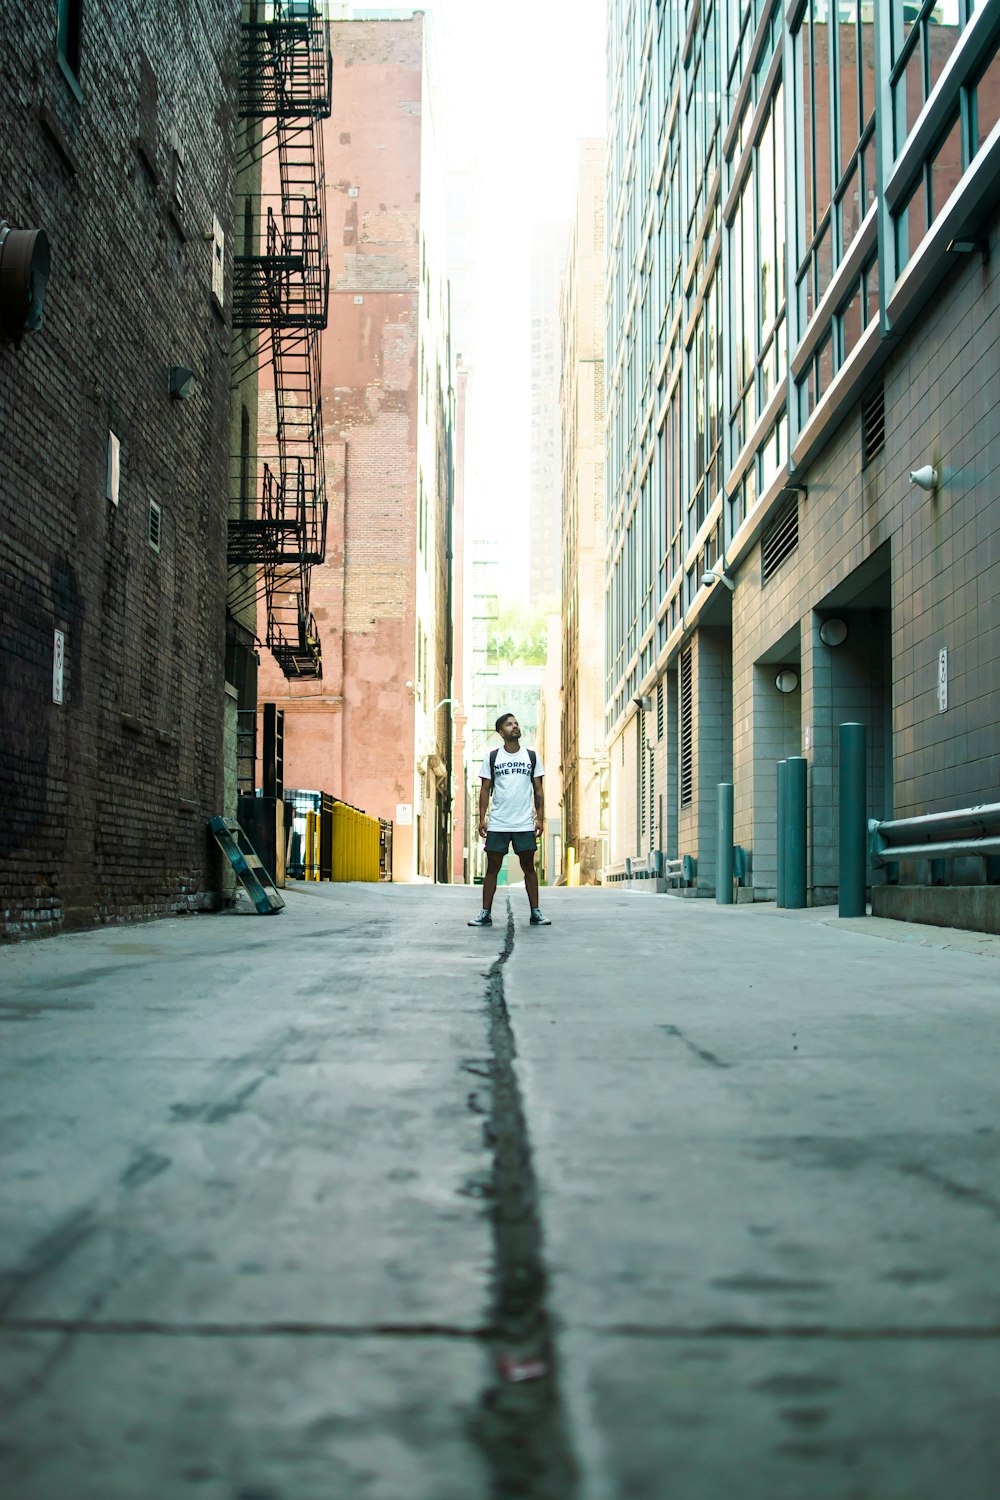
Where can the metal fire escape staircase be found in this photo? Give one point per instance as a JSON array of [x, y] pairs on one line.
[[283, 292]]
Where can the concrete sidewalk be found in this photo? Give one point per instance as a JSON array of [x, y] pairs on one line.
[[258, 1241], [768, 1150]]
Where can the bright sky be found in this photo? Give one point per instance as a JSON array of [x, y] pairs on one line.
[[521, 86]]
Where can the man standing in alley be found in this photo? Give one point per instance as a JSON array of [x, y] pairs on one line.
[[514, 776]]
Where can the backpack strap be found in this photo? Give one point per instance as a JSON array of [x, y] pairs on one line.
[[532, 760]]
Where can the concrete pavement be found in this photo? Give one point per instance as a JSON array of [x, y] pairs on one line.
[[284, 1217]]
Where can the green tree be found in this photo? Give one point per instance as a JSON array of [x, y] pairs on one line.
[[518, 635]]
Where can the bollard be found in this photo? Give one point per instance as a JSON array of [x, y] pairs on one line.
[[853, 828], [339, 842], [796, 787], [724, 845], [311, 872], [780, 881]]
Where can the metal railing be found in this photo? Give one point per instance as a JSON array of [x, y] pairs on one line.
[[653, 866], [967, 832]]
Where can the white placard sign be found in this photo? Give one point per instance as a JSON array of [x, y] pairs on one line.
[[58, 660], [404, 812], [942, 680]]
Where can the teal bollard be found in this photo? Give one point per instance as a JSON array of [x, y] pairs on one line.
[[853, 827], [724, 848], [780, 881], [796, 793]]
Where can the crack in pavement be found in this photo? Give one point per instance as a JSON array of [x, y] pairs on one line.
[[276, 1329], [817, 1331], [522, 1428]]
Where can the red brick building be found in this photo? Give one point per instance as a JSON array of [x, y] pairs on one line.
[[374, 730]]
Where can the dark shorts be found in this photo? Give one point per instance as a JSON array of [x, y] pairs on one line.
[[499, 843]]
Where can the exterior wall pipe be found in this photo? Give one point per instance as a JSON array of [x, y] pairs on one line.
[[796, 793], [780, 841], [724, 851], [853, 827]]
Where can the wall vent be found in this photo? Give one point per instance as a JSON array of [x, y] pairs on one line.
[[154, 527], [643, 756], [659, 709], [687, 729], [872, 426], [780, 539]]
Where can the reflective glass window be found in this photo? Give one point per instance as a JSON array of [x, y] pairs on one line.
[[924, 35], [986, 102]]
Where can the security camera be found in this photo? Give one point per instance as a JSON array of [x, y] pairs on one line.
[[718, 575], [925, 478]]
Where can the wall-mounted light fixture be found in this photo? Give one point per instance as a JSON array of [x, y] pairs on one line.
[[718, 574], [926, 478], [833, 632], [643, 701], [24, 271], [787, 680], [181, 382], [969, 247]]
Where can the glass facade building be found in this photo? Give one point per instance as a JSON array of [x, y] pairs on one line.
[[801, 309]]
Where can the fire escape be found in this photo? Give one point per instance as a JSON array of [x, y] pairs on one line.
[[281, 291]]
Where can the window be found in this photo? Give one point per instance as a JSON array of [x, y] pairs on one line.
[[705, 364], [938, 178], [923, 37], [757, 249], [833, 62], [218, 262], [154, 525], [986, 103], [69, 36]]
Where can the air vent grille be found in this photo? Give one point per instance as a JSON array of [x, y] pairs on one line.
[[155, 525], [872, 426], [687, 729], [780, 539]]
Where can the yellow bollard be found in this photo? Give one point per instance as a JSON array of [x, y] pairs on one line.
[[337, 853], [309, 860]]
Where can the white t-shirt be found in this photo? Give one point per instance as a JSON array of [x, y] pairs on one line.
[[512, 809]]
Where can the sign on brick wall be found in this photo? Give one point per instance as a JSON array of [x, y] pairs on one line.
[[58, 660]]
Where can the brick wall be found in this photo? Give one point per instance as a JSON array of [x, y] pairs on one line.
[[106, 795], [362, 732]]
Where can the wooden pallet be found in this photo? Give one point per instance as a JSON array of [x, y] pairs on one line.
[[249, 871]]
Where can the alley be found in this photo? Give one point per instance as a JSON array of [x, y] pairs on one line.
[[356, 1203]]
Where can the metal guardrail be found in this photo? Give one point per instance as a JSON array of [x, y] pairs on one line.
[[653, 866], [968, 831]]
